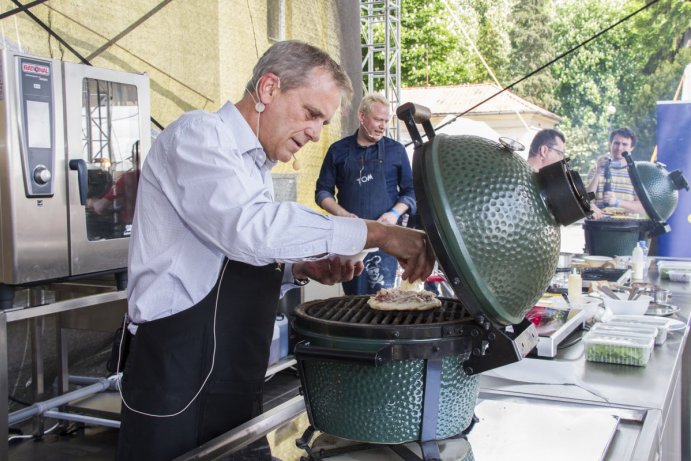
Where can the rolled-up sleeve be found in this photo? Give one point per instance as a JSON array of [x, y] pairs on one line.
[[406, 190], [326, 182]]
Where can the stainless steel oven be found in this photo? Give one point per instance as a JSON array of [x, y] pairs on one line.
[[72, 140]]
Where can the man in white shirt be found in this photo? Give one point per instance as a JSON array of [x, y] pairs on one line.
[[211, 252]]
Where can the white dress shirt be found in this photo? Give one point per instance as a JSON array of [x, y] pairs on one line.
[[205, 193]]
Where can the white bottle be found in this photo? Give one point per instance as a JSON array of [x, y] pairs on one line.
[[575, 287], [637, 263]]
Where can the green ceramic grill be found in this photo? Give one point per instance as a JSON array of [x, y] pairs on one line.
[[494, 223], [658, 191], [394, 377], [397, 376]]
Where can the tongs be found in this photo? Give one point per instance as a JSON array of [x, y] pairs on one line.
[[633, 294], [605, 290]]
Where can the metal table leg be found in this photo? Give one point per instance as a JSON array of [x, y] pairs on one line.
[[4, 407]]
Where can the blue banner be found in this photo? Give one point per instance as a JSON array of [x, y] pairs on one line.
[[674, 150]]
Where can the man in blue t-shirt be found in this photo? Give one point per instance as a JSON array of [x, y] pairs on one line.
[[368, 175]]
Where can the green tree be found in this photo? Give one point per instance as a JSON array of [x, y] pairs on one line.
[[432, 55], [656, 38], [616, 79], [492, 40], [532, 46]]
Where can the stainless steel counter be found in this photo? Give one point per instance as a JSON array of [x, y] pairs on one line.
[[661, 386], [652, 402]]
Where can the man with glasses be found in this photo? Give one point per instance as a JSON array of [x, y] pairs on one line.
[[548, 147]]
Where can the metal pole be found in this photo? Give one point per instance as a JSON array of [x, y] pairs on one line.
[[246, 433], [4, 407], [41, 407], [81, 418]]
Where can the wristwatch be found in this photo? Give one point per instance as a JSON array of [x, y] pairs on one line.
[[300, 282]]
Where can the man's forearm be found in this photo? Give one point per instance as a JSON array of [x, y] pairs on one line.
[[330, 205], [592, 185]]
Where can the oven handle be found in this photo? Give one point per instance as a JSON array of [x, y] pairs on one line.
[[82, 176]]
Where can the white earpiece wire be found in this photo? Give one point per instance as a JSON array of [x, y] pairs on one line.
[[213, 362]]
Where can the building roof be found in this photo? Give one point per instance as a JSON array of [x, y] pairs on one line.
[[443, 100]]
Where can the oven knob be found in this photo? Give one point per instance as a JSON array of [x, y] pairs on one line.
[[42, 175]]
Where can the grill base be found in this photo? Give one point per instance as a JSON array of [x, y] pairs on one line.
[[326, 446]]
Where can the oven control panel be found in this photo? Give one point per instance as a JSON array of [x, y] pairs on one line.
[[37, 125]]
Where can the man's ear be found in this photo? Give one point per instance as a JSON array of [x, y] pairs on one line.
[[360, 116], [266, 89], [543, 151]]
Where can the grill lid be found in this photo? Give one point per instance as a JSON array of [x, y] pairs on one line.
[[657, 189], [493, 222]]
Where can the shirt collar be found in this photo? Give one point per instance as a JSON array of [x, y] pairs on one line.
[[357, 144], [245, 138]]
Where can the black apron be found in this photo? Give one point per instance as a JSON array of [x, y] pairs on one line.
[[170, 358]]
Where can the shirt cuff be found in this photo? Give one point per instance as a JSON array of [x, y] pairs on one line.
[[349, 236], [323, 195]]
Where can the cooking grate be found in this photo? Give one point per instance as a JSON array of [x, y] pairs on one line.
[[352, 316], [355, 310]]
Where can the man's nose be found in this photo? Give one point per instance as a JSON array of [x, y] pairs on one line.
[[313, 132]]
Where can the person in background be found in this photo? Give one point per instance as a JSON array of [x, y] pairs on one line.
[[211, 252], [119, 198], [609, 179], [368, 175], [549, 146]]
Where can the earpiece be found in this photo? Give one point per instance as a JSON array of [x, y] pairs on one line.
[[259, 107], [296, 163], [366, 131]]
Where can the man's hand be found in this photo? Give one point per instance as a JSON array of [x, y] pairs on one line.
[[610, 199], [330, 205], [328, 271], [409, 246], [388, 218], [601, 162], [597, 212]]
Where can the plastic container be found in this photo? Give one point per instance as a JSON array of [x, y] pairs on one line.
[[644, 246], [618, 348], [662, 324], [665, 267], [637, 263], [273, 352], [282, 322], [644, 331], [679, 276], [575, 289]]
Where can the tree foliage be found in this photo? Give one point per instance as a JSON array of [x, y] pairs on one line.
[[432, 52], [615, 80], [531, 47]]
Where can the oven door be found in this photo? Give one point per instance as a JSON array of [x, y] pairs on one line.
[[107, 136]]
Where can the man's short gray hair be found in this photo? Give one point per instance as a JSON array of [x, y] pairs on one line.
[[292, 61], [369, 100]]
